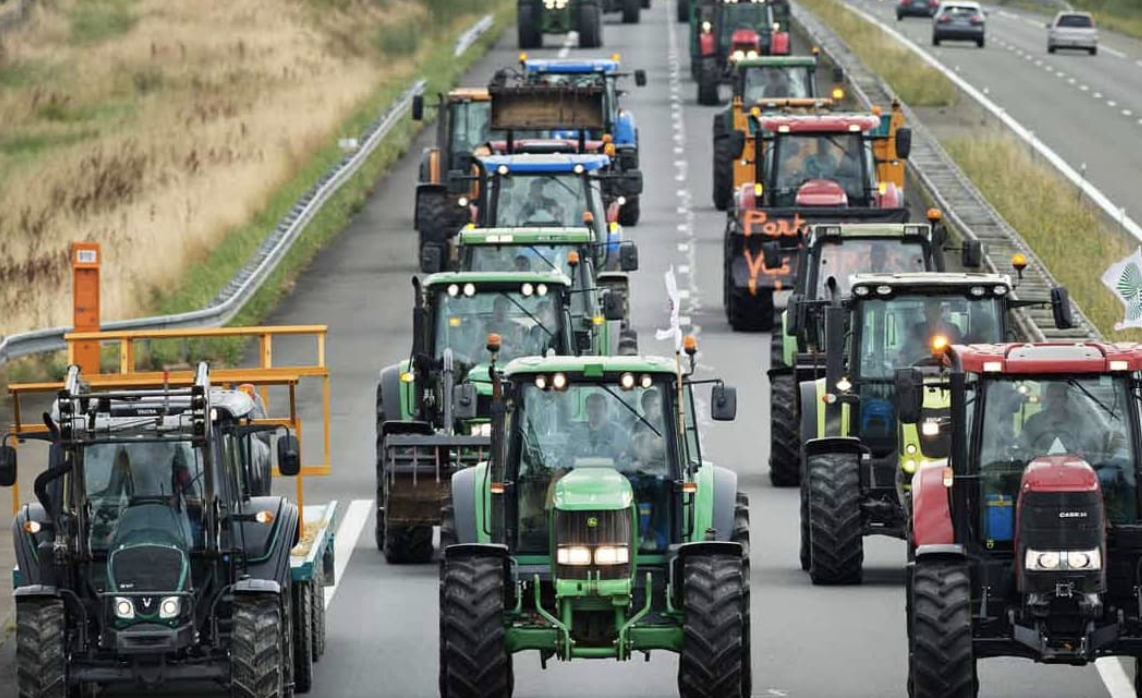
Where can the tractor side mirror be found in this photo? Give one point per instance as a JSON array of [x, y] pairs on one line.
[[1061, 308], [640, 77], [723, 403], [614, 305], [7, 465], [418, 108], [909, 394], [418, 320], [289, 456], [628, 256], [464, 401], [771, 255], [431, 259], [794, 314], [972, 254], [903, 142], [737, 143]]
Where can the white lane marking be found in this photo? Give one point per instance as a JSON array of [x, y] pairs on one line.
[[346, 540], [1127, 112], [1084, 88], [1097, 95], [1111, 103], [571, 39], [1071, 81], [1033, 23], [1114, 52], [1009, 15], [1113, 674]]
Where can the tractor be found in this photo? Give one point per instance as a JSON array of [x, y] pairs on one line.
[[144, 561], [565, 250], [855, 455], [808, 168], [763, 84], [618, 138], [538, 17], [832, 253], [421, 438], [596, 530], [463, 126], [730, 31], [1023, 538]]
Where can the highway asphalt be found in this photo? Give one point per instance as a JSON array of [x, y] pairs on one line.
[[382, 625], [1088, 109]]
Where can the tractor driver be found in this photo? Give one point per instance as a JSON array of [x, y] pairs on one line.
[[776, 84], [648, 447], [599, 436], [821, 164], [539, 206], [503, 324], [1060, 426]]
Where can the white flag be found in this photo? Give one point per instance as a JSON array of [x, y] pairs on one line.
[[1124, 279], [675, 330]]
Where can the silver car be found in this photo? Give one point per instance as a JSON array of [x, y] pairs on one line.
[[958, 20], [1072, 30]]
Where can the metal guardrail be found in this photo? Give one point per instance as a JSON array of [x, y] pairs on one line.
[[948, 188], [249, 279]]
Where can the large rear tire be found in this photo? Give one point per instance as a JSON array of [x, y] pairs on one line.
[[474, 660], [630, 212], [529, 35], [723, 172], [41, 654], [590, 26], [710, 664], [302, 637], [707, 83], [631, 10], [741, 536], [836, 542], [784, 431], [407, 544], [318, 600], [806, 534], [435, 218], [683, 7], [942, 664], [750, 313], [258, 648]]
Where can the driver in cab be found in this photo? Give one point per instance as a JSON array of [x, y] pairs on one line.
[[1060, 420], [539, 207], [599, 436]]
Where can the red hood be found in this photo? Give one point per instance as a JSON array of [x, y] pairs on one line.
[[821, 192], [744, 38], [1062, 473]]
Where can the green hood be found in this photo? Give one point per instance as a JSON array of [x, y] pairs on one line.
[[594, 485]]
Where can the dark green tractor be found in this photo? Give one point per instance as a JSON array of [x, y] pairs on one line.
[[596, 531], [538, 17]]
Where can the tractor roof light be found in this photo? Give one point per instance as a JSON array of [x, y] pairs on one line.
[[883, 290], [978, 291], [453, 290], [578, 169], [527, 289], [1119, 365], [469, 289], [645, 380], [559, 381], [992, 366], [627, 381], [1019, 261], [541, 290], [502, 170], [707, 27], [541, 382], [999, 290]]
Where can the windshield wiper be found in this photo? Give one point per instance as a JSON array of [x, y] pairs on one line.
[[545, 259], [1092, 398], [631, 410], [538, 322]]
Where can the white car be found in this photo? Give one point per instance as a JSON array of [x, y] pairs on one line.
[[1072, 30]]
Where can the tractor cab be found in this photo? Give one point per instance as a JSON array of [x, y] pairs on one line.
[[596, 509], [730, 31], [1034, 512]]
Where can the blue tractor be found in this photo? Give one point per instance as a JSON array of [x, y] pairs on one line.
[[618, 137]]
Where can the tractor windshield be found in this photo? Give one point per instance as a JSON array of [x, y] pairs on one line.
[[843, 257], [777, 82], [742, 15], [122, 476], [533, 257], [527, 321], [531, 201], [471, 125], [593, 425], [897, 331], [798, 158], [1025, 417]]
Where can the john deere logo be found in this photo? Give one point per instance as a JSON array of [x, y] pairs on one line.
[[592, 522]]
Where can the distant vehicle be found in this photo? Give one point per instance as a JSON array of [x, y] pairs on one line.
[[958, 21], [916, 8], [1072, 30]]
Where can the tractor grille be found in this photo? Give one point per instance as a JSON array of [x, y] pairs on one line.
[[592, 529], [146, 568]]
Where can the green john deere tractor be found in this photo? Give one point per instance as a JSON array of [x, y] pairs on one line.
[[832, 253], [538, 17], [855, 458], [566, 250], [596, 531], [421, 437]]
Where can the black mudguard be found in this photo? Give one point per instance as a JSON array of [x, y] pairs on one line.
[[27, 545], [268, 547], [388, 387], [725, 499], [834, 444], [464, 493]]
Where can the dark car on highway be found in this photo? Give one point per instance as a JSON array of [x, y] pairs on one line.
[[958, 21], [915, 8]]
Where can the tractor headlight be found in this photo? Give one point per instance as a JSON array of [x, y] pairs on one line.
[[1069, 560], [483, 429], [930, 427], [170, 607], [124, 608], [573, 555], [737, 55], [612, 555]]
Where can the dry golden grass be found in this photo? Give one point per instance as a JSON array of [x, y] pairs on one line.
[[156, 131], [1067, 233]]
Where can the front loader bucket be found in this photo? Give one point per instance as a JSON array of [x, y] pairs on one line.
[[418, 469]]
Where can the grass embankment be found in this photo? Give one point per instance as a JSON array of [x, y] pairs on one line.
[[178, 136], [914, 81], [1124, 16], [1067, 233]]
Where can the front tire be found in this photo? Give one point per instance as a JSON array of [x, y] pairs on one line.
[[407, 544], [474, 659], [710, 664], [707, 83], [41, 654], [590, 26], [529, 35], [258, 648], [750, 312], [836, 542], [303, 637], [741, 537], [631, 10], [942, 663], [630, 212], [723, 180], [784, 431], [683, 8]]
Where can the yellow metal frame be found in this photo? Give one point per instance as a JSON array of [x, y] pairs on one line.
[[262, 376]]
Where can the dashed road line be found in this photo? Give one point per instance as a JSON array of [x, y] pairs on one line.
[[1113, 51], [570, 40]]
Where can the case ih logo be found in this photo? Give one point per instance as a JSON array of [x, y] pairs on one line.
[[1072, 514]]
